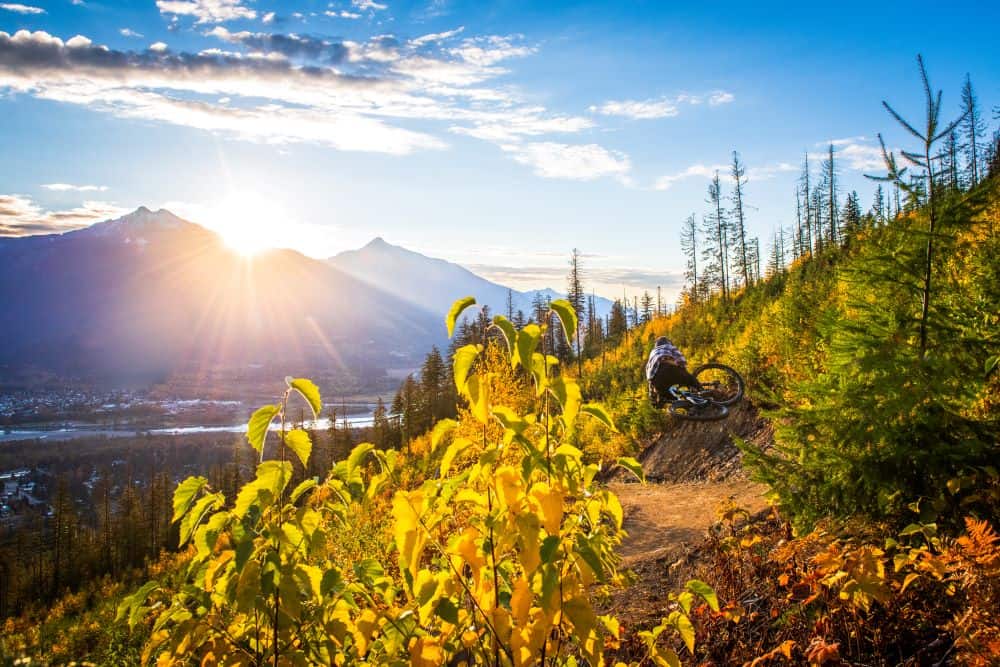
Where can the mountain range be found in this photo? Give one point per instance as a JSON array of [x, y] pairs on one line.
[[434, 283], [149, 295]]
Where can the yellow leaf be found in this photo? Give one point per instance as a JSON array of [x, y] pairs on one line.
[[410, 537], [426, 652], [520, 602], [551, 502], [508, 485]]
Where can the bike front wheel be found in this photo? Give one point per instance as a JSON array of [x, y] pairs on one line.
[[709, 412], [723, 384]]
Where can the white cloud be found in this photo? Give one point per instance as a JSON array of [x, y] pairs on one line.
[[769, 171], [437, 36], [857, 152], [639, 110], [486, 51], [344, 14], [580, 162], [662, 107], [67, 187], [358, 96], [268, 18], [207, 11], [694, 171], [720, 97], [21, 9], [21, 216], [365, 5], [128, 32]]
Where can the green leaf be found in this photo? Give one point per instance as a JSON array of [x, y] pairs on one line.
[[634, 466], [550, 548], [185, 493], [368, 570], [509, 333], [447, 611], [682, 624], [301, 488], [298, 441], [705, 591], [527, 342], [464, 358], [357, 454], [193, 518], [456, 310], [567, 316], [440, 430], [991, 364], [260, 421], [454, 449], [599, 412], [309, 391]]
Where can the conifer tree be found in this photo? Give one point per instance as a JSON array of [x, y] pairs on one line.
[[689, 245], [806, 192], [646, 307], [830, 192], [931, 133], [974, 130], [577, 298], [716, 249], [878, 206], [738, 221], [851, 216]]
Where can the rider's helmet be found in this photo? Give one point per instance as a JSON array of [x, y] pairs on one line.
[[662, 340]]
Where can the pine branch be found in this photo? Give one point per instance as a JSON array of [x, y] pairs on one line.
[[903, 122]]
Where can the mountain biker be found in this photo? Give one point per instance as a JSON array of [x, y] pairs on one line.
[[665, 368]]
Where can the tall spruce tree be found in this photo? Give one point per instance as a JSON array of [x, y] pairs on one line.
[[577, 298], [737, 221], [689, 246], [716, 247], [830, 193], [974, 130], [932, 132]]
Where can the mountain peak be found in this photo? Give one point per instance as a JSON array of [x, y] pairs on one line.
[[377, 243]]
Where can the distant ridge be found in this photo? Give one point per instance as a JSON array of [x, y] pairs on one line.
[[149, 294], [433, 283]]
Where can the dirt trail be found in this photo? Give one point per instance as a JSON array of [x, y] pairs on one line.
[[692, 468], [662, 517]]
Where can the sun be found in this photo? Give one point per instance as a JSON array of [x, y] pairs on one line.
[[248, 223]]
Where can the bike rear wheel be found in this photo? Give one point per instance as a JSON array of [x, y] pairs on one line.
[[723, 384], [709, 412]]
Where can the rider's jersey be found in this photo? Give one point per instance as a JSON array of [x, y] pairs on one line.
[[664, 353]]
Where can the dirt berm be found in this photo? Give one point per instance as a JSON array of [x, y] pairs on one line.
[[704, 451]]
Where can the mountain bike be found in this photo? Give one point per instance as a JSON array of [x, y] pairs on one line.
[[719, 386]]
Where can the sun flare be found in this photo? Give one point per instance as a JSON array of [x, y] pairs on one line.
[[248, 223]]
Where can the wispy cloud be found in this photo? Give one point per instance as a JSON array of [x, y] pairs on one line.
[[694, 171], [366, 5], [662, 107], [207, 11], [279, 88], [769, 171], [21, 9], [859, 153], [21, 216], [608, 277], [128, 32], [67, 187], [581, 162]]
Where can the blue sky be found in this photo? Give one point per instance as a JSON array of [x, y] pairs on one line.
[[498, 135]]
